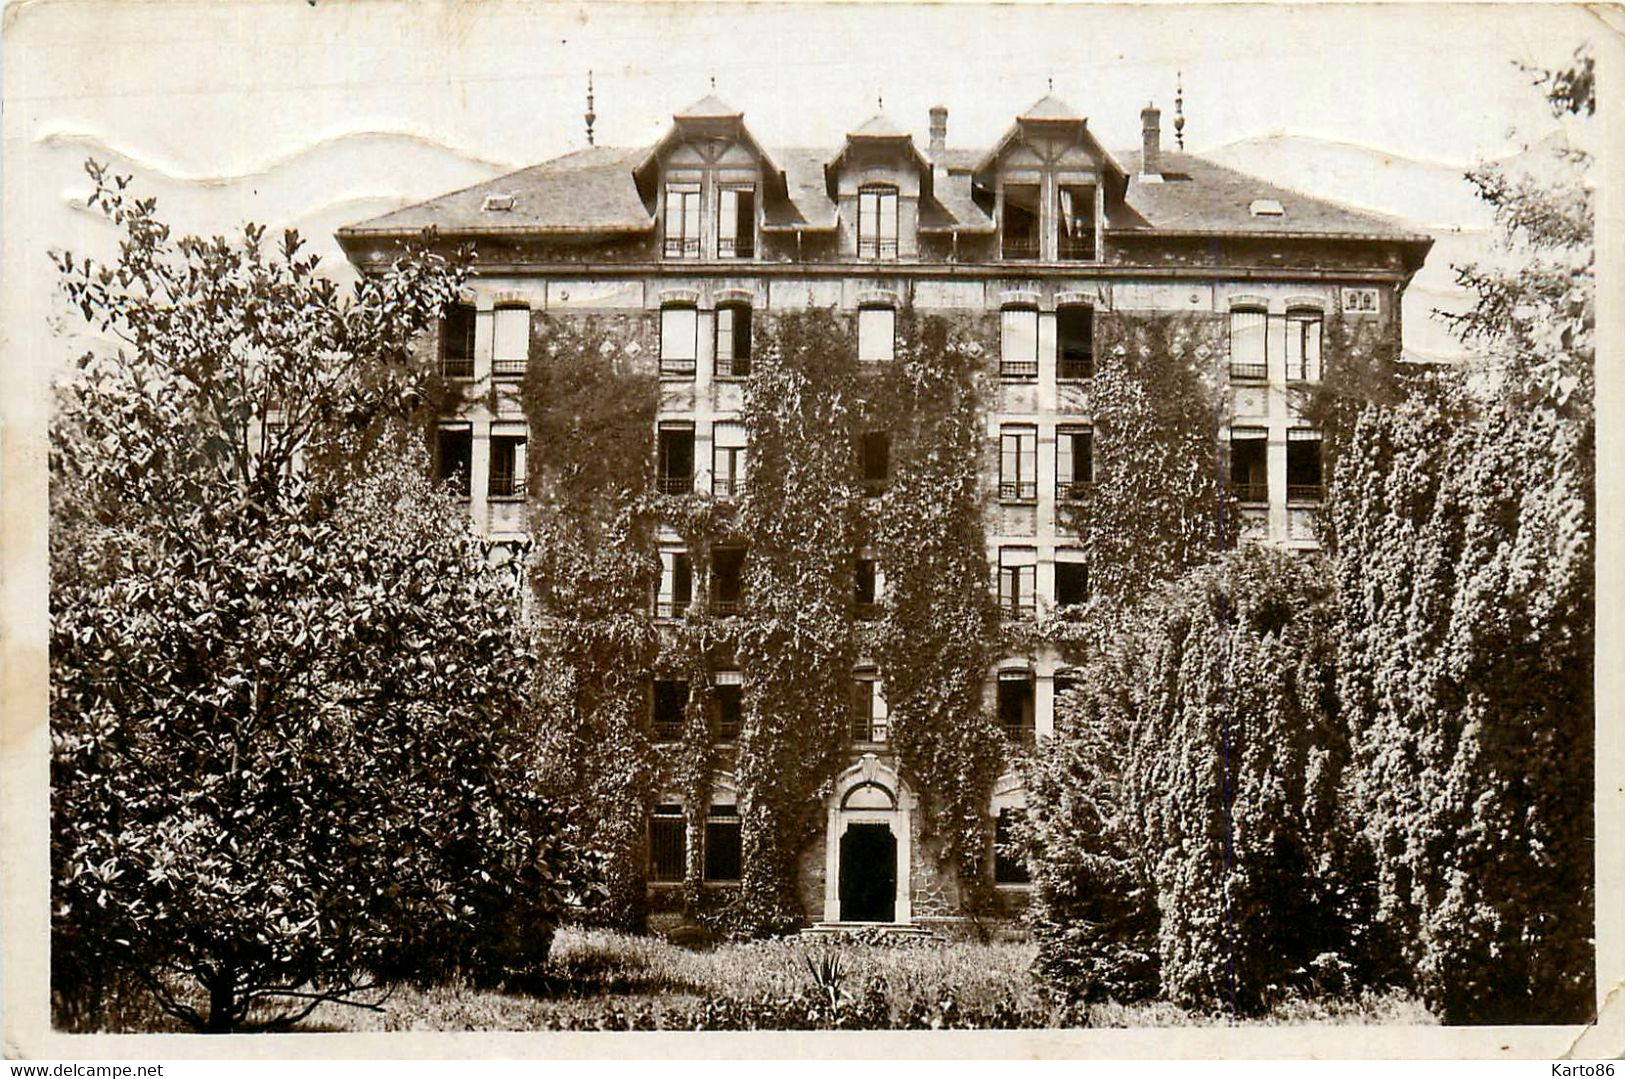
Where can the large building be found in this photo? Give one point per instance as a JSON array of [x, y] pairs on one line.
[[683, 247]]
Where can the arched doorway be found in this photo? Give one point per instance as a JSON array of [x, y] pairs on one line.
[[868, 848]]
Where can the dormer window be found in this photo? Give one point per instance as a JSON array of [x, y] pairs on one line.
[[877, 221], [682, 221], [1021, 221], [736, 223], [1077, 240]]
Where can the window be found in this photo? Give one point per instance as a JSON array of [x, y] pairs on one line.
[[869, 715], [1303, 345], [682, 221], [1075, 342], [510, 345], [507, 478], [1018, 355], [679, 339], [457, 341], [454, 457], [722, 846], [727, 580], [676, 584], [1016, 704], [877, 334], [736, 223], [1021, 218], [1360, 301], [733, 341], [1066, 680], [670, 701], [877, 222], [1077, 222], [728, 460], [728, 693], [1303, 466], [1071, 579], [668, 843], [1018, 463], [866, 590], [1249, 464], [1018, 576], [874, 461], [1074, 462], [676, 463], [1248, 355], [1009, 867]]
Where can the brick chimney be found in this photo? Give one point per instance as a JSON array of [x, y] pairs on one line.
[[939, 131], [1151, 141]]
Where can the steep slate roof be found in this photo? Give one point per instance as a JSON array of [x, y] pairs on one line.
[[587, 191], [1217, 199], [593, 191]]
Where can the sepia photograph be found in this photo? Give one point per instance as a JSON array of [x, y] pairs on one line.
[[555, 519]]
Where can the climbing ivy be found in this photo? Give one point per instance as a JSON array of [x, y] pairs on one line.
[[939, 627], [1160, 502]]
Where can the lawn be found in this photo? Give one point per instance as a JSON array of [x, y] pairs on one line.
[[604, 980]]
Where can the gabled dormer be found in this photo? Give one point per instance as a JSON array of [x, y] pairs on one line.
[[878, 181], [705, 181], [1048, 184]]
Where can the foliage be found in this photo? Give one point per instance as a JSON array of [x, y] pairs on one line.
[[1094, 913], [1198, 769], [1465, 521], [937, 633], [287, 743], [796, 650], [1160, 502], [591, 570]]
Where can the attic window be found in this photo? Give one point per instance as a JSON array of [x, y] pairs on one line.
[[497, 202], [1266, 208]]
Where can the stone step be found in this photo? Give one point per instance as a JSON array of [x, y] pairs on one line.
[[889, 929]]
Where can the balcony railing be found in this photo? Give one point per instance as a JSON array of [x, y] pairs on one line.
[[671, 608], [728, 488], [507, 485], [1305, 492], [865, 729], [1018, 369], [877, 249], [1302, 372], [728, 730], [1075, 368], [675, 485], [1252, 492], [1076, 491], [457, 367], [509, 368], [743, 247], [1249, 372], [669, 366], [1018, 490], [1018, 607], [727, 608], [682, 247], [1019, 247], [1077, 248], [666, 730], [1021, 733], [736, 367]]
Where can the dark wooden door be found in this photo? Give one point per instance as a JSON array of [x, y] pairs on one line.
[[868, 873]]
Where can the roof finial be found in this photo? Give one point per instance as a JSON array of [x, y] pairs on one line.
[[880, 101], [713, 81], [1051, 81], [591, 115], [1179, 110]]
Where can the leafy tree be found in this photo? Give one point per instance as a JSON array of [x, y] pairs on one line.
[[1465, 523], [288, 753], [1185, 818]]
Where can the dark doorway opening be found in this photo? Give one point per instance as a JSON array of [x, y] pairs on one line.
[[868, 874]]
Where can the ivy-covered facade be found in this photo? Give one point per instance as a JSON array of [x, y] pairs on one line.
[[817, 458]]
